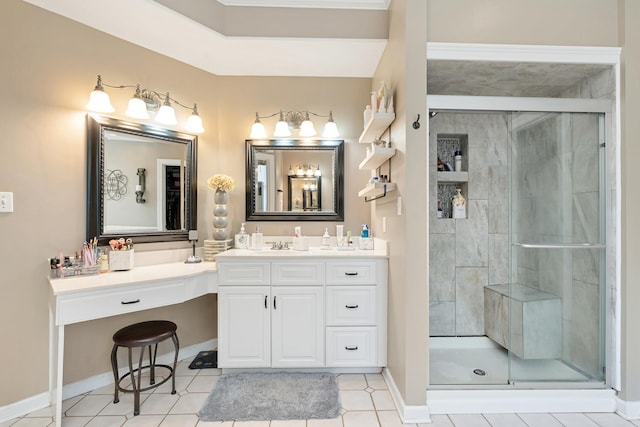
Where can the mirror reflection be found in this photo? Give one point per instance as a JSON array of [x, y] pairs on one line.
[[295, 180], [141, 181]]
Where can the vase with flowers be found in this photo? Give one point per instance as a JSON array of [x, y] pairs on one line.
[[221, 184]]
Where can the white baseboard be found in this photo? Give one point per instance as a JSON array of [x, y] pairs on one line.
[[42, 400], [407, 413], [628, 410], [24, 406], [513, 401]]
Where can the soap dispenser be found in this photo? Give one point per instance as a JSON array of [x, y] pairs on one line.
[[325, 239], [365, 231], [459, 206], [242, 239]]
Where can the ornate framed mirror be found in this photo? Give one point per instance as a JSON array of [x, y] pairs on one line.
[[141, 181], [295, 180]]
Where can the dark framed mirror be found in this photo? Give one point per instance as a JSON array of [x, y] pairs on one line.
[[294, 180], [141, 181]]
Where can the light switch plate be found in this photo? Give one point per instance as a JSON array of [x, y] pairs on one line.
[[6, 202]]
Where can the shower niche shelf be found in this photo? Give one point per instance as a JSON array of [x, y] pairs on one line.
[[453, 177]]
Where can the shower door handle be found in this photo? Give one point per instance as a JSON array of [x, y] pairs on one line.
[[560, 245]]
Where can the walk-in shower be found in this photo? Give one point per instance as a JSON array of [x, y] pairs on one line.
[[518, 287]]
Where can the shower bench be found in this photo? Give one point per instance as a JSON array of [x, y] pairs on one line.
[[536, 320]]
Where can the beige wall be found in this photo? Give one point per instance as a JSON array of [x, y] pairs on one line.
[[403, 67], [49, 66], [535, 22], [630, 111]]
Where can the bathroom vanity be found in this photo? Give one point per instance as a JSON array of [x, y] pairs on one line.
[[276, 308], [302, 309]]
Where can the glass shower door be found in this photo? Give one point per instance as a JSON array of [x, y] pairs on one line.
[[556, 287]]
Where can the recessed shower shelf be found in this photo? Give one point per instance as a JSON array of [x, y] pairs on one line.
[[453, 177]]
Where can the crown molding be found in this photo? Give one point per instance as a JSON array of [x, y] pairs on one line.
[[316, 4]]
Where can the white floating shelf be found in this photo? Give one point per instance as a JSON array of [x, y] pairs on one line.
[[453, 177], [376, 157], [376, 189], [376, 127]]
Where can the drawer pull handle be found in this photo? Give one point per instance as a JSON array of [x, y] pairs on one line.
[[351, 274], [355, 347], [135, 301], [265, 301], [274, 303], [351, 306]]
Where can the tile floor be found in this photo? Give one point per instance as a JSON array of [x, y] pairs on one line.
[[365, 399]]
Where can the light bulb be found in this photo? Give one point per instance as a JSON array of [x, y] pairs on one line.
[[194, 122], [99, 99], [257, 129], [137, 107]]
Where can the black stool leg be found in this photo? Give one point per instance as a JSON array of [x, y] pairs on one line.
[[176, 344], [114, 366], [152, 365]]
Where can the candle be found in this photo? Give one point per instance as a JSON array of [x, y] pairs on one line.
[[138, 187]]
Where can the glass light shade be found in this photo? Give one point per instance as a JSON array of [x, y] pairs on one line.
[[330, 130], [257, 131], [282, 129], [307, 129], [99, 101], [166, 115], [137, 109], [194, 124]]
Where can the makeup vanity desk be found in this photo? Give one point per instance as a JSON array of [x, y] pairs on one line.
[[83, 298]]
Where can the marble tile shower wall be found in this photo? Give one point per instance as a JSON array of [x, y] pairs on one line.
[[556, 160], [467, 254]]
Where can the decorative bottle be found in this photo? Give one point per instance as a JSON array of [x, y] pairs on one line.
[[458, 206], [457, 155]]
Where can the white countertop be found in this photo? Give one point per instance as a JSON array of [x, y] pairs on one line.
[[141, 274], [313, 252]]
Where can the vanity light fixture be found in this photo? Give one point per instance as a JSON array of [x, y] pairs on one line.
[[305, 170], [142, 102], [298, 120]]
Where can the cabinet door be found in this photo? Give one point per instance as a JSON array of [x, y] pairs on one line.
[[297, 336], [244, 326]]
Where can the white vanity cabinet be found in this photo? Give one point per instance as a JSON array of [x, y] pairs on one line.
[[296, 310], [280, 324]]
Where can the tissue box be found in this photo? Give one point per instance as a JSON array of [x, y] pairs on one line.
[[121, 260], [300, 244]]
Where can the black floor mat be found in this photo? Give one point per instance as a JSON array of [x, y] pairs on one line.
[[205, 359]]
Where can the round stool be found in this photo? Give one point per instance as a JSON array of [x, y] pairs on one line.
[[142, 335]]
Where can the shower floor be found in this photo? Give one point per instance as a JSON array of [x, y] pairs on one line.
[[454, 359]]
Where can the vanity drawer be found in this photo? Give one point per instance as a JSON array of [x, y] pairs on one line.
[[351, 305], [243, 273], [298, 273], [351, 273], [351, 346], [104, 303]]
